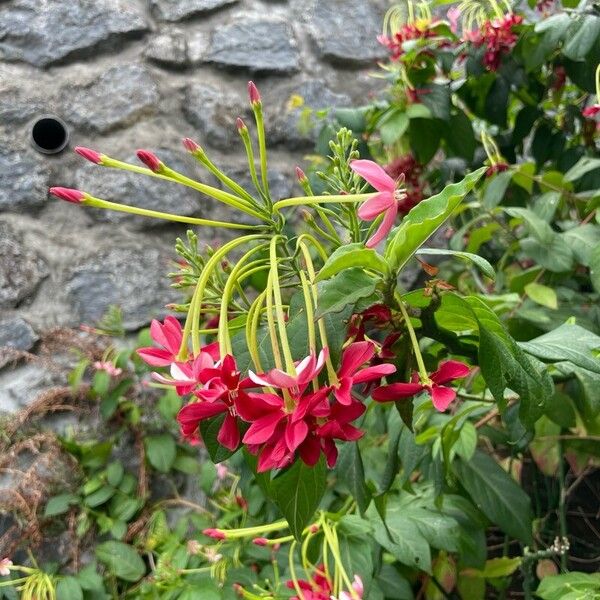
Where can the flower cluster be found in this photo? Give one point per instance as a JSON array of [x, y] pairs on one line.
[[497, 36], [421, 29], [293, 415], [319, 587]]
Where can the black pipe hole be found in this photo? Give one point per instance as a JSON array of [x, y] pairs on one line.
[[49, 134]]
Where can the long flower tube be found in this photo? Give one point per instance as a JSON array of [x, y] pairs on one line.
[[245, 135], [303, 200], [79, 197], [256, 103]]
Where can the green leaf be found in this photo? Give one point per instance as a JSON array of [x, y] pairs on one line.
[[393, 126], [342, 290], [436, 98], [351, 473], [569, 586], [122, 560], [114, 473], [68, 588], [105, 493], [477, 260], [418, 111], [460, 137], [495, 189], [583, 166], [353, 255], [523, 176], [583, 240], [297, 493], [497, 495], [425, 136], [568, 342], [58, 505], [542, 294], [425, 218], [586, 34], [595, 268], [161, 451], [497, 567], [355, 538], [209, 429]]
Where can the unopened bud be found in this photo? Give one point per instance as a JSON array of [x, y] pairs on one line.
[[216, 534], [150, 160], [241, 126], [241, 502], [89, 154], [253, 93], [190, 145], [314, 528], [68, 194], [307, 216], [260, 541], [301, 175]]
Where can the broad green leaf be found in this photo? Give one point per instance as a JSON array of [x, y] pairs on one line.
[[122, 560], [544, 447], [436, 98], [114, 473], [209, 429], [477, 260], [355, 537], [583, 166], [569, 342], [496, 188], [595, 268], [425, 136], [584, 240], [100, 496], [393, 126], [353, 255], [68, 588], [496, 567], [523, 176], [393, 584], [574, 586], [89, 579], [586, 34], [263, 348], [351, 473], [460, 137], [497, 495], [418, 111], [425, 218], [297, 493], [161, 451], [205, 589], [542, 294], [344, 289], [58, 505]]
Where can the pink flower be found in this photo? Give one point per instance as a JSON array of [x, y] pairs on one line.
[[5, 565], [385, 202], [453, 15], [319, 586], [350, 373], [68, 194], [167, 336], [109, 367], [215, 534], [89, 154], [441, 395], [222, 471], [357, 587], [591, 111]]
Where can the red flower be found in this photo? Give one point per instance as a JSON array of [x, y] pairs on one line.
[[441, 395], [222, 390], [167, 336], [318, 588], [591, 111], [350, 373], [497, 36], [496, 168]]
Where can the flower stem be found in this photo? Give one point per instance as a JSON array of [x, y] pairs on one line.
[[262, 149], [303, 200], [413, 339]]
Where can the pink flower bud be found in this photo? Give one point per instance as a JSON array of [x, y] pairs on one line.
[[253, 93], [216, 534], [190, 145], [68, 194], [149, 159], [241, 502], [89, 154], [301, 175], [240, 124], [260, 541], [5, 565], [314, 528]]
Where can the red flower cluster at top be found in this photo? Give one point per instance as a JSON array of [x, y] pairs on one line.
[[410, 31], [498, 37], [285, 419], [412, 170]]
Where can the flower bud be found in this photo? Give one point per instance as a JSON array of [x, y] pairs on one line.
[[190, 145], [215, 534], [68, 194], [5, 565], [150, 160], [241, 126], [253, 93], [260, 541], [193, 547], [301, 175], [89, 154]]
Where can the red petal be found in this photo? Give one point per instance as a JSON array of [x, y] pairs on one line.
[[155, 356], [331, 452], [385, 227], [342, 392], [295, 434], [354, 356], [310, 451], [229, 434], [262, 429], [375, 372], [375, 206], [396, 391], [449, 370], [442, 397]]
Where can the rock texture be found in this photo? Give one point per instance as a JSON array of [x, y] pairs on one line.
[[176, 10], [24, 179]]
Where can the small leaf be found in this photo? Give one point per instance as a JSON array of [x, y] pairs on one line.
[[353, 255], [58, 505], [477, 260], [351, 472], [297, 493], [209, 429], [161, 451], [542, 294], [583, 166], [586, 33], [497, 495], [496, 567], [393, 126], [344, 289], [68, 588], [122, 560]]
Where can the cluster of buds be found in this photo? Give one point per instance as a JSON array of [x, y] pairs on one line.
[[497, 36]]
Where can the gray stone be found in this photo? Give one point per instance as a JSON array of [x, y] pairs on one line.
[[299, 127], [168, 48], [21, 269], [213, 112], [131, 277], [142, 191], [198, 44], [24, 180], [345, 31], [21, 386], [55, 31], [281, 184], [256, 44], [15, 334], [176, 10], [119, 97]]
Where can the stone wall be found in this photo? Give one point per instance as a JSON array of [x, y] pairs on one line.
[[129, 74]]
